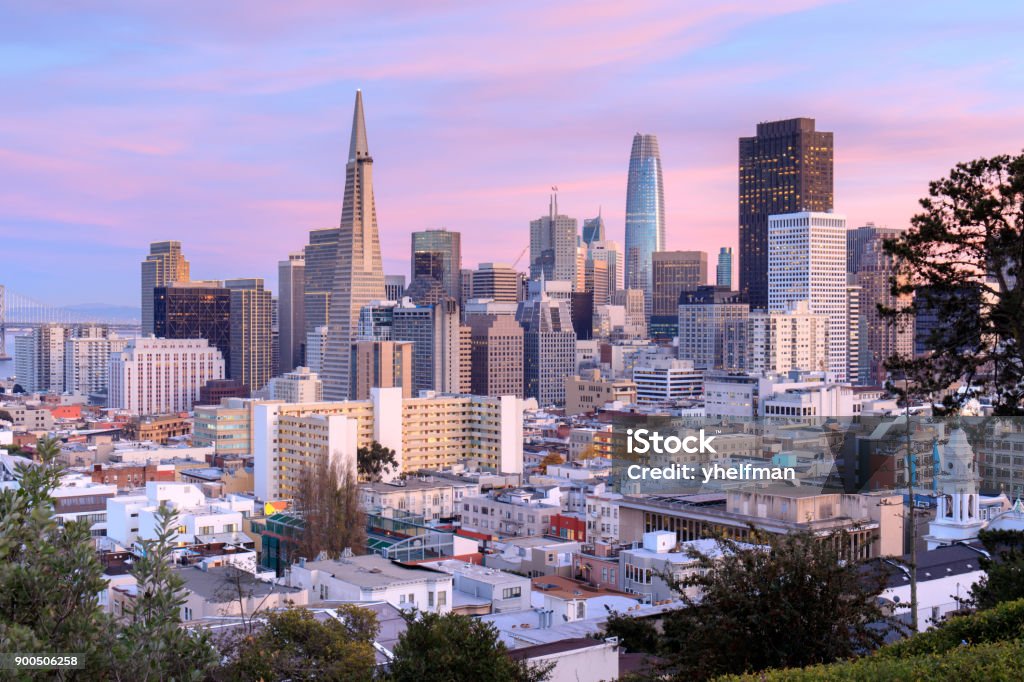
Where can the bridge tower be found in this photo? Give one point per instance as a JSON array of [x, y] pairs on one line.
[[3, 324]]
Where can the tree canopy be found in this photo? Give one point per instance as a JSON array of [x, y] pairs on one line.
[[962, 259], [375, 460]]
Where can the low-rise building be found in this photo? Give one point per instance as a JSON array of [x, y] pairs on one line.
[[590, 391], [426, 496], [476, 585], [518, 512], [374, 578]]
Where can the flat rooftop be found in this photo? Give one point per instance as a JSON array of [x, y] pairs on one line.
[[372, 571]]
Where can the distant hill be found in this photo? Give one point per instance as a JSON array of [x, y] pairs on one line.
[[105, 311]]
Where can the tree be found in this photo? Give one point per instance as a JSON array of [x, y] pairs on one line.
[[328, 500], [634, 634], [962, 258], [5, 416], [1004, 569], [791, 601], [153, 645], [436, 648], [375, 461], [50, 577], [550, 459], [295, 645]]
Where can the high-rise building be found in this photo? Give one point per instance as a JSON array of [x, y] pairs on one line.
[[553, 245], [874, 270], [610, 253], [593, 229], [793, 339], [321, 258], [194, 310], [863, 245], [713, 329], [497, 282], [394, 287], [359, 277], [673, 273], [496, 355], [635, 321], [785, 168], [549, 348], [595, 281], [316, 348], [645, 215], [858, 361], [291, 311], [39, 358], [159, 376], [376, 319], [87, 362], [445, 265], [581, 307], [381, 364], [807, 262], [251, 338], [440, 346], [164, 264], [723, 271]]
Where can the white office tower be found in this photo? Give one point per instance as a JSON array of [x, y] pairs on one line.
[[160, 376], [807, 262], [791, 339]]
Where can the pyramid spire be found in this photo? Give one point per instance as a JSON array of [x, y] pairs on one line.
[[358, 147]]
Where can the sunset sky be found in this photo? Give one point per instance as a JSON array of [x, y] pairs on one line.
[[124, 123]]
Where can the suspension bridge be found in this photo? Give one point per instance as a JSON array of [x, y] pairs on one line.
[[21, 313]]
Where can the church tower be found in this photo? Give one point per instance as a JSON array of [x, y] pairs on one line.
[[957, 517]]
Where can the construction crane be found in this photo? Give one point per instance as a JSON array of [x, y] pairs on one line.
[[520, 256]]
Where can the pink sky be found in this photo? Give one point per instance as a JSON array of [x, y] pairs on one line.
[[229, 130]]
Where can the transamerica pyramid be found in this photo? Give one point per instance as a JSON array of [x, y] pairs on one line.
[[359, 274]]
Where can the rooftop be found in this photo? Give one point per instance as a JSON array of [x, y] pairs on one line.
[[372, 571]]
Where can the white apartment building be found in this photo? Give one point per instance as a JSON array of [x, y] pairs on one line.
[[667, 380], [159, 376], [432, 498], [432, 432], [784, 340], [520, 512], [87, 362], [131, 518], [370, 578], [807, 262], [298, 386], [797, 394]]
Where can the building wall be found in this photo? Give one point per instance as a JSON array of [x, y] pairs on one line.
[[158, 376]]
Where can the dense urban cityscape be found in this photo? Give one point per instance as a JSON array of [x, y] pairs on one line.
[[799, 458]]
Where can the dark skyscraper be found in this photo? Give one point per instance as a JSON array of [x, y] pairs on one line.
[[593, 229], [194, 310], [645, 214], [438, 254], [785, 168]]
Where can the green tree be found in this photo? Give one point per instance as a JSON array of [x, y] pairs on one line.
[[5, 416], [634, 634], [790, 601], [375, 460], [50, 577], [152, 645], [327, 497], [1004, 569], [962, 258], [294, 645], [436, 648]]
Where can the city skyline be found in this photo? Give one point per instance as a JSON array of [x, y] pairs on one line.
[[229, 136]]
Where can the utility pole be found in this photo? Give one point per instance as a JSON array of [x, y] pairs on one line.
[[912, 470]]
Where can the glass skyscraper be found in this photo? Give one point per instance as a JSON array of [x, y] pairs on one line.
[[723, 272], [645, 214]]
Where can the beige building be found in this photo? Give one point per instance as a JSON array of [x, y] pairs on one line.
[[430, 432], [496, 355], [432, 498], [591, 391], [873, 520], [227, 427], [781, 341], [298, 386], [251, 335], [496, 281], [674, 272], [381, 364], [164, 265]]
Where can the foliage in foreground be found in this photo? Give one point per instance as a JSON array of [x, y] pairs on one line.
[[1004, 569], [436, 648], [984, 645], [294, 645]]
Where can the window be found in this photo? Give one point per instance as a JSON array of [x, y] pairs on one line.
[[187, 614], [324, 592], [442, 598], [511, 592], [430, 599]]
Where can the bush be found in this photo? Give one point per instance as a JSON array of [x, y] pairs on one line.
[[996, 661], [1004, 622]]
